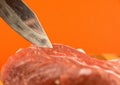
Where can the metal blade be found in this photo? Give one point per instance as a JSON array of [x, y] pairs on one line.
[[24, 22]]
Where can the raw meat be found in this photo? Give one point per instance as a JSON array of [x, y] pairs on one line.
[[61, 65]]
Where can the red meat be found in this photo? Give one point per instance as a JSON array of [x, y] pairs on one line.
[[61, 65]]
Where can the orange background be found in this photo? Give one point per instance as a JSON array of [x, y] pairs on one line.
[[93, 25]]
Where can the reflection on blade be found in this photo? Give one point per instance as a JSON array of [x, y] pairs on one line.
[[23, 21]]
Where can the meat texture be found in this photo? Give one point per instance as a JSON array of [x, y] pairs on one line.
[[60, 65]]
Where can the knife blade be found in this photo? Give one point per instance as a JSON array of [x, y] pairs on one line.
[[22, 20]]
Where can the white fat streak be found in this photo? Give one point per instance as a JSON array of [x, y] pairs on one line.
[[32, 76], [75, 59], [115, 67], [112, 72], [85, 71], [57, 82], [108, 71], [21, 63], [81, 63], [94, 66], [18, 50], [81, 50]]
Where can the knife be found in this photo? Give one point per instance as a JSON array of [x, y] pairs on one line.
[[22, 20]]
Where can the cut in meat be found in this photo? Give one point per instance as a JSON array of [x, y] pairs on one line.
[[60, 65]]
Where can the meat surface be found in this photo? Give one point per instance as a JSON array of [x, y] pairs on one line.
[[61, 65]]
